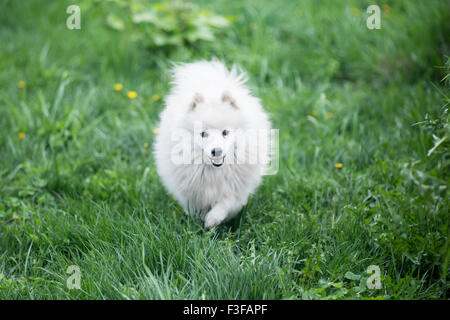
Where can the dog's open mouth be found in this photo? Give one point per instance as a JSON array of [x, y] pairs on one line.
[[217, 162]]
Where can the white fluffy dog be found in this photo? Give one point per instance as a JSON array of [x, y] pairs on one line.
[[197, 150]]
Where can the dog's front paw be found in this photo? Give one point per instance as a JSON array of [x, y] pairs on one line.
[[213, 219]]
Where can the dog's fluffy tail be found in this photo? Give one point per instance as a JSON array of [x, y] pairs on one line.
[[198, 75]]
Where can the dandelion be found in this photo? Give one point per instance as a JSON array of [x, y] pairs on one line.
[[155, 98], [146, 145], [15, 218], [355, 11], [22, 278], [155, 131], [338, 165], [118, 87], [132, 94], [21, 84], [387, 10], [329, 115], [21, 136], [314, 113]]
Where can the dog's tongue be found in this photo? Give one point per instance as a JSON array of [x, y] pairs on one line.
[[217, 161]]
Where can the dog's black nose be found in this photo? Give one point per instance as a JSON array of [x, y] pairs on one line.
[[216, 152]]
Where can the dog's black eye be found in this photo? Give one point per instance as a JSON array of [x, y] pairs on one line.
[[204, 134], [225, 132]]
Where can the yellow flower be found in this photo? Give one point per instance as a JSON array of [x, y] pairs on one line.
[[132, 94], [355, 11], [387, 10], [22, 278], [21, 135], [118, 87], [14, 217], [155, 131], [329, 115], [146, 145], [21, 84], [338, 165], [314, 113], [155, 97]]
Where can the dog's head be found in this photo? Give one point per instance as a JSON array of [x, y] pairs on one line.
[[215, 121]]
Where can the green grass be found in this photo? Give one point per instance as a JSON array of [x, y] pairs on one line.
[[85, 190]]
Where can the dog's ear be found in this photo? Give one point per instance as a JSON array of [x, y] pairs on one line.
[[227, 98], [198, 98]]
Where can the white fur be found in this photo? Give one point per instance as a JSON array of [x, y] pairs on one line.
[[216, 193]]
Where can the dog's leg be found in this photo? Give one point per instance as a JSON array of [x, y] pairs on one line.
[[222, 211]]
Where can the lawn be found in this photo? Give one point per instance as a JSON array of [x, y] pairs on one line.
[[363, 141]]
